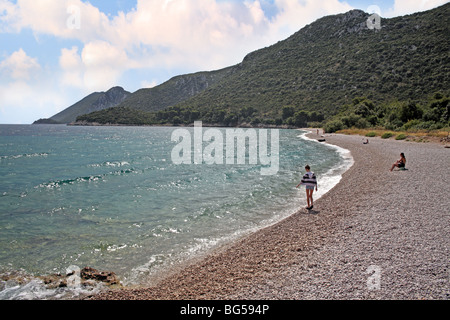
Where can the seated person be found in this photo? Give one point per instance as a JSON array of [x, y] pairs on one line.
[[401, 163]]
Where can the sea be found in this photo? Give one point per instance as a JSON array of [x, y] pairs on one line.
[[113, 199]]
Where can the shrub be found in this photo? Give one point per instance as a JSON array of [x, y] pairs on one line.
[[387, 135], [401, 136], [371, 134], [255, 121], [411, 124], [333, 126], [315, 124], [362, 123], [394, 124], [427, 125], [351, 120]]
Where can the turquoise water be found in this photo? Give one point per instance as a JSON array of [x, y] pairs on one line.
[[111, 198]]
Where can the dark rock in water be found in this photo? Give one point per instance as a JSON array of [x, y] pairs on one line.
[[54, 281], [109, 278], [87, 277], [321, 140]]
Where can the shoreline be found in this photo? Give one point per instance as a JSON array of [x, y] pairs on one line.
[[325, 254]]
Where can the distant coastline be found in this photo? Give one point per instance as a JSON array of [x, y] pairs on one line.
[[211, 125]]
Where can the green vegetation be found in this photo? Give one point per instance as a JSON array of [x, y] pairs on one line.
[[406, 116], [401, 136], [120, 116], [371, 134], [46, 121], [387, 135], [227, 117]]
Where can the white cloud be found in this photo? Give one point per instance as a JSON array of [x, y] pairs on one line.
[[54, 18], [19, 66], [256, 12], [97, 68], [103, 64], [403, 7], [71, 67], [8, 16]]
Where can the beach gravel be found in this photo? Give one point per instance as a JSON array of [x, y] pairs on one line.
[[376, 235]]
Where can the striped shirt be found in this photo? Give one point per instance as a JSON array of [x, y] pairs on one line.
[[309, 179]]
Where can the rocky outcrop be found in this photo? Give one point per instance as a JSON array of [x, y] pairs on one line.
[[109, 99], [107, 277]]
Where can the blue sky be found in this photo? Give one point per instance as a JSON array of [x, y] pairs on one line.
[[54, 53]]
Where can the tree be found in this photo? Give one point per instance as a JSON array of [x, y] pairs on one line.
[[410, 111], [247, 112], [287, 112], [301, 118]]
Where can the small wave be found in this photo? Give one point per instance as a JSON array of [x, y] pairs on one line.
[[26, 155], [115, 164], [103, 247], [58, 183], [93, 178]]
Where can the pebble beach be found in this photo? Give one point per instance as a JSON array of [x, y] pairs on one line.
[[376, 235]]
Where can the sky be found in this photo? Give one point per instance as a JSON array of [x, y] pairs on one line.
[[53, 53]]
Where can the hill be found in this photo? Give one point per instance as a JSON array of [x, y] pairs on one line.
[[315, 73], [96, 101]]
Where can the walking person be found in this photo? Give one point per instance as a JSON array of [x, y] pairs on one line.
[[310, 181]]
